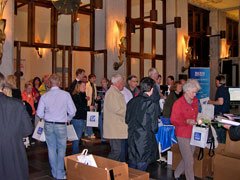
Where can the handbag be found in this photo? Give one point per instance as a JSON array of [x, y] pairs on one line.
[[211, 143], [92, 119], [199, 136], [86, 159], [39, 132], [71, 133]]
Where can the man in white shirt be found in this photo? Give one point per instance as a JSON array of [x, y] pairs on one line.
[[56, 108]]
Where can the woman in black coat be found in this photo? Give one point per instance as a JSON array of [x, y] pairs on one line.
[[79, 120], [141, 117]]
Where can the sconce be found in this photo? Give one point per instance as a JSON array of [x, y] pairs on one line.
[[98, 4], [38, 52], [37, 40], [177, 22], [188, 53], [2, 28], [209, 33], [122, 45], [153, 15]]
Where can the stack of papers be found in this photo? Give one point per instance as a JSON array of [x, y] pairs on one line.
[[227, 121]]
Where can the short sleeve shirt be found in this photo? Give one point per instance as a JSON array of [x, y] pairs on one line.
[[222, 92]]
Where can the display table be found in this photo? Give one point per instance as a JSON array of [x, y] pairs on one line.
[[166, 137]]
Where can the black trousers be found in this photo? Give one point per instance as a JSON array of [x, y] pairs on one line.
[[118, 149]]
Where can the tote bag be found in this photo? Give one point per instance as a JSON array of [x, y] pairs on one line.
[[92, 119], [71, 133], [199, 136], [87, 159], [39, 132]]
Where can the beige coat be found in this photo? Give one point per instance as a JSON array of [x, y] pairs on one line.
[[89, 92], [114, 111]]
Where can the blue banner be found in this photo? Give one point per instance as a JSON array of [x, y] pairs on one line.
[[203, 77]]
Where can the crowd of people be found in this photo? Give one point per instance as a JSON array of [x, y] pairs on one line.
[[128, 117]]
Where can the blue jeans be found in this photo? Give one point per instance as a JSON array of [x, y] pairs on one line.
[[101, 126], [78, 126], [138, 165], [56, 138]]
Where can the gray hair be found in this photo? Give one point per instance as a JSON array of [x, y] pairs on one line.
[[190, 84], [116, 78], [54, 79], [152, 71], [2, 81]]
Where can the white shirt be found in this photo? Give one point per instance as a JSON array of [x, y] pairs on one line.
[[127, 94], [56, 106]]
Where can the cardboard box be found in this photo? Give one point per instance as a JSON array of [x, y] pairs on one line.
[[137, 175], [202, 168], [226, 166], [107, 169], [232, 147], [218, 150]]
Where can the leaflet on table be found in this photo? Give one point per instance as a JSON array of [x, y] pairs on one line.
[[232, 116], [227, 121]]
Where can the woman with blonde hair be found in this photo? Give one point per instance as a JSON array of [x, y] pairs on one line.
[[79, 120], [12, 84]]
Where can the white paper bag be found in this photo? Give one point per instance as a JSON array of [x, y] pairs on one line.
[[199, 136], [71, 133], [208, 110], [87, 159], [92, 119], [39, 132]]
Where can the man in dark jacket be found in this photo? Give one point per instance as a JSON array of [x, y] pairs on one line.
[[141, 117], [15, 124], [234, 132], [80, 73]]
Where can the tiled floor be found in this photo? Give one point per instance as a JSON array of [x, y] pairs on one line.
[[39, 168]]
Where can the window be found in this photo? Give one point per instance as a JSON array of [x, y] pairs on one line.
[[198, 20], [232, 37]]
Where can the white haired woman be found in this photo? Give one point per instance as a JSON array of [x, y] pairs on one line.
[[183, 117]]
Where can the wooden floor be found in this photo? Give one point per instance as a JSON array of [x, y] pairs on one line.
[[39, 168]]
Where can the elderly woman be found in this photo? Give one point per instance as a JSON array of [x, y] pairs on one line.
[[176, 92], [183, 117]]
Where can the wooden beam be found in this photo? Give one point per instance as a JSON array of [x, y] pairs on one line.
[[18, 65], [63, 67], [69, 67], [54, 61]]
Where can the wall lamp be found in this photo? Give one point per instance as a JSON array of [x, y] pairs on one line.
[[177, 24], [98, 4], [153, 16], [209, 33], [188, 53], [38, 52]]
